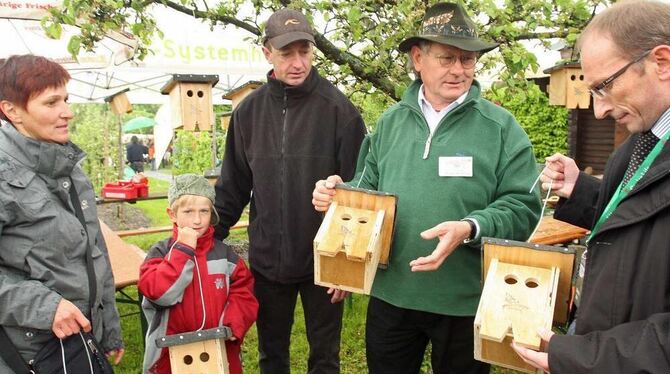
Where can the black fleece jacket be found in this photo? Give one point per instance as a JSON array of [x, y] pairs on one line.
[[281, 140]]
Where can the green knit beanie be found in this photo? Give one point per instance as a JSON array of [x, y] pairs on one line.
[[190, 184]]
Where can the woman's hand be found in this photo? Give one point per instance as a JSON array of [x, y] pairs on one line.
[[69, 320], [116, 354]]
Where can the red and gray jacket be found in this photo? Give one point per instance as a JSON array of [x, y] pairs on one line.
[[188, 289]]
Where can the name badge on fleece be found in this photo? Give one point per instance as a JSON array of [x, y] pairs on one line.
[[455, 167]]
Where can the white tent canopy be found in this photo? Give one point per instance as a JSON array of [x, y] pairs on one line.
[[188, 47]]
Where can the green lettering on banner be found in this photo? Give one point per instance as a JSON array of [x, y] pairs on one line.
[[185, 54], [211, 52], [169, 51], [237, 52], [188, 53], [199, 53], [223, 54], [256, 55]]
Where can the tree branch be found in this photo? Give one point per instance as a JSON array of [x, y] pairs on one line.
[[339, 57], [213, 17], [329, 50]]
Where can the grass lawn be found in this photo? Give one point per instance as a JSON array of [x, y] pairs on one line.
[[352, 351]]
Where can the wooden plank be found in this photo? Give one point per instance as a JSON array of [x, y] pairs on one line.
[[493, 353], [339, 272], [557, 87], [125, 258], [327, 229], [552, 231], [361, 226], [156, 196], [154, 230], [597, 141]]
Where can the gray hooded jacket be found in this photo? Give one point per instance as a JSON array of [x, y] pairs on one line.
[[43, 244]]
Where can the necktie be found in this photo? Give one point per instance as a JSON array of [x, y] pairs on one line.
[[645, 143]]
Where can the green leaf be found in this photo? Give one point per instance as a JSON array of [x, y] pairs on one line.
[[74, 45], [51, 29]]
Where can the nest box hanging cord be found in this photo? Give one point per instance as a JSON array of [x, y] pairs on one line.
[[197, 271], [544, 204]]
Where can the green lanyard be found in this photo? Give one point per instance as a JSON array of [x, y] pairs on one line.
[[623, 191]]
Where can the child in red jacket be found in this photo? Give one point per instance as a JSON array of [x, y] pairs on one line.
[[191, 281]]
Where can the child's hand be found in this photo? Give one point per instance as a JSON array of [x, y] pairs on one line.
[[188, 236]]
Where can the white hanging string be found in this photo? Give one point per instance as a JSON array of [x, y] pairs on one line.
[[544, 205], [362, 175], [227, 285], [62, 356], [202, 297], [88, 355]]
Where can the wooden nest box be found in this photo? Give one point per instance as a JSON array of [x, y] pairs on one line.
[[567, 87], [119, 102], [198, 352], [191, 101], [526, 287], [354, 239], [236, 95]]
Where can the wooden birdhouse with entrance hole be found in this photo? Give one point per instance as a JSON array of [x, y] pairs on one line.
[[567, 87], [191, 101], [354, 239], [119, 102], [198, 352], [526, 287], [237, 94]]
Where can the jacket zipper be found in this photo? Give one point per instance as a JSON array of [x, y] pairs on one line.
[[282, 177], [426, 148]]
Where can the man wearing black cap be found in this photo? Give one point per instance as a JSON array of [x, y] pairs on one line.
[[461, 167], [296, 129]]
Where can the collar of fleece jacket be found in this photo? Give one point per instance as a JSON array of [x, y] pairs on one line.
[[279, 88]]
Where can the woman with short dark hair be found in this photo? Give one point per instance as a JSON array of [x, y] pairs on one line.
[[44, 238]]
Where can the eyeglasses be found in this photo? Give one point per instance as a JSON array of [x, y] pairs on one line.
[[467, 61], [600, 90]]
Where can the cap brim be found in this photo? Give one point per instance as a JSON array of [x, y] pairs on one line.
[[283, 40], [466, 44]]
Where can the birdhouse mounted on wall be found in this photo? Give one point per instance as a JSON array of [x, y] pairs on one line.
[[191, 101], [119, 102], [527, 287], [354, 239], [198, 352], [567, 87]]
